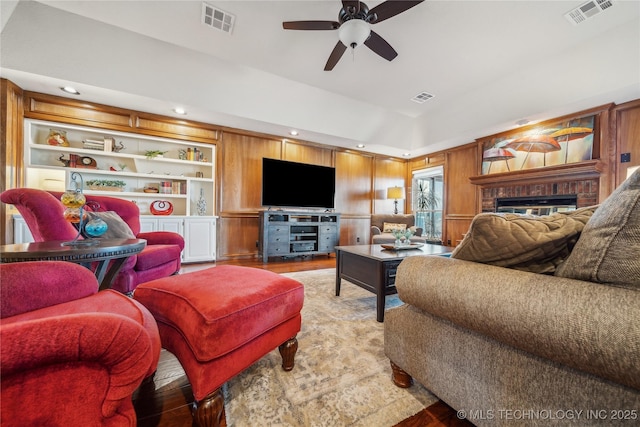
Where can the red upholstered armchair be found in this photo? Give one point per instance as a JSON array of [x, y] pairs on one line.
[[70, 355], [43, 213]]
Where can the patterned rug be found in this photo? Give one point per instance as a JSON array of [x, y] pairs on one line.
[[341, 376]]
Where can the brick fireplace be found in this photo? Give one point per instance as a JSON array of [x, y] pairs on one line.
[[583, 181]]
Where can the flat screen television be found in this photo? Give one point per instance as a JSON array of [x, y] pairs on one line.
[[297, 185]]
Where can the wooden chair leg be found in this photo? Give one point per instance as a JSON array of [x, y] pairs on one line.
[[400, 377], [209, 412], [288, 352]]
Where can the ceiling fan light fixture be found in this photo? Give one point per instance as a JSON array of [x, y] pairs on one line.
[[354, 32]]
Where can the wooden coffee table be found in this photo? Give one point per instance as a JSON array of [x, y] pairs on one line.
[[108, 254], [374, 268]]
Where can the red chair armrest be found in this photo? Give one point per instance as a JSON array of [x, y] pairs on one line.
[[28, 286], [112, 342], [162, 238]]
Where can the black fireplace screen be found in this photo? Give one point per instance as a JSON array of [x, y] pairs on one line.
[[537, 205]]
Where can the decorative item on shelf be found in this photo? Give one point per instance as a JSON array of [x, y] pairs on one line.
[[152, 154], [93, 144], [74, 201], [71, 162], [182, 154], [87, 162], [57, 138], [118, 147], [109, 143], [166, 187], [161, 207], [106, 185], [201, 205], [150, 189]]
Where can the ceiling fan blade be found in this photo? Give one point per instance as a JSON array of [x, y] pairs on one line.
[[311, 25], [380, 46], [335, 56], [391, 8]]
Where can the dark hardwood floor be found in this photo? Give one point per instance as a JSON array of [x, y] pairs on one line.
[[165, 401]]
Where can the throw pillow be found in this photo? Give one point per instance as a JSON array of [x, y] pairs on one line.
[[609, 248], [390, 227], [117, 227], [523, 242]]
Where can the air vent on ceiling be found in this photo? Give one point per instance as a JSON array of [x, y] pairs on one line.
[[217, 18], [587, 11], [422, 97]]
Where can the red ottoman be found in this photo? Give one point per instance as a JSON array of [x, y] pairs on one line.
[[220, 321]]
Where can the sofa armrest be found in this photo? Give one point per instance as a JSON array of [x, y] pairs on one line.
[[28, 286], [49, 347], [418, 232], [588, 326], [375, 230], [162, 238]]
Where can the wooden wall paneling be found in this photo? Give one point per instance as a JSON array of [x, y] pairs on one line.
[[390, 173], [354, 193], [627, 138], [11, 150], [461, 197], [57, 108], [355, 230], [240, 189], [240, 171], [179, 129], [298, 152], [237, 236], [60, 109], [353, 183]]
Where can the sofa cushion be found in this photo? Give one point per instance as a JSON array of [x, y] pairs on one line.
[[609, 248], [390, 227], [523, 242]]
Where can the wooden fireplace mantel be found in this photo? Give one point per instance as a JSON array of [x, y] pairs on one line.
[[571, 171]]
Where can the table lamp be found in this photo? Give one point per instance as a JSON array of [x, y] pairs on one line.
[[395, 193]]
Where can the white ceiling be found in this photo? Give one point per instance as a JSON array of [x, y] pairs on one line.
[[488, 63]]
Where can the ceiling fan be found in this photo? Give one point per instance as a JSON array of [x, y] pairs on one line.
[[354, 27]]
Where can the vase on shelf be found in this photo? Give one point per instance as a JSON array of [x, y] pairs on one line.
[[201, 205]]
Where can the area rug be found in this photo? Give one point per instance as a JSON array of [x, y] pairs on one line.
[[341, 375]]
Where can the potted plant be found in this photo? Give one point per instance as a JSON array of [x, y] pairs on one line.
[[427, 201], [106, 185], [151, 154]]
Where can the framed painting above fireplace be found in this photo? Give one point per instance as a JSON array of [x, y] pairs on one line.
[[552, 143]]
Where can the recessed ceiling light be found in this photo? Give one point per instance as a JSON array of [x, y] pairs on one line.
[[522, 122], [406, 154], [70, 90], [179, 110], [360, 145], [293, 132]]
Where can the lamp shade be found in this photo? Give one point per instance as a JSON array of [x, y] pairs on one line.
[[395, 193], [354, 32]]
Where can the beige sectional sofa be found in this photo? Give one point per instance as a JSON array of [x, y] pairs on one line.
[[508, 347]]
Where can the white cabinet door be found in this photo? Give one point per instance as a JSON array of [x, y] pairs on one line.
[[200, 239], [175, 225], [147, 225], [21, 232]]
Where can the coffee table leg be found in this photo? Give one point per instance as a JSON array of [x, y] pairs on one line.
[[338, 272], [380, 300]]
